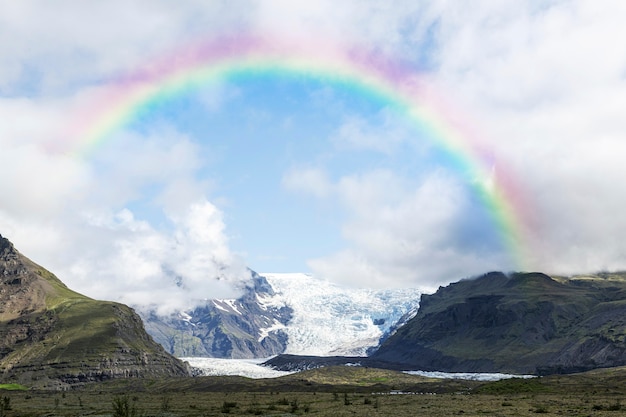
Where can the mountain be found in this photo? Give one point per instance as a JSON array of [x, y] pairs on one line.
[[51, 336], [248, 327], [286, 313], [518, 323]]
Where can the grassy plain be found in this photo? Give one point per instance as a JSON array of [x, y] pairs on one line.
[[307, 403], [332, 392]]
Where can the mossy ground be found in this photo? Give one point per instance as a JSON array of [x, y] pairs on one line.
[[353, 393], [311, 403]]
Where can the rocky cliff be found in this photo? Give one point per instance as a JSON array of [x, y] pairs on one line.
[[51, 336], [518, 323]]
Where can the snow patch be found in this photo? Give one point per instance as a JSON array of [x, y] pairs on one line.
[[263, 333], [227, 305], [233, 305], [468, 375], [217, 304]]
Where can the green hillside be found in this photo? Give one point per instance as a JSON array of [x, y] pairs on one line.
[[51, 336]]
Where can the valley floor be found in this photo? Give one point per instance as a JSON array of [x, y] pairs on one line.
[[333, 391], [314, 404]]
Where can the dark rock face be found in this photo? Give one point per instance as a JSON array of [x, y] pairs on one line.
[[522, 323], [237, 329], [51, 336]]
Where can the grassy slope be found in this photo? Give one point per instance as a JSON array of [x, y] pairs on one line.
[[73, 336]]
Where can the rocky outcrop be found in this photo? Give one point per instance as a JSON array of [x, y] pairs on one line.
[[519, 323], [237, 329], [53, 337]]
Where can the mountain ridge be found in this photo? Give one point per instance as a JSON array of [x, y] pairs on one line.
[[518, 323]]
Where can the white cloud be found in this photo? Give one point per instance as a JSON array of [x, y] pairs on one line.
[[29, 187], [129, 260], [549, 86], [310, 180], [397, 28], [400, 234], [384, 135], [72, 43], [69, 212]]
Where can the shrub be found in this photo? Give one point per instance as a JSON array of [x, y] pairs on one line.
[[227, 406], [615, 407], [5, 405], [294, 406], [122, 407], [165, 404]]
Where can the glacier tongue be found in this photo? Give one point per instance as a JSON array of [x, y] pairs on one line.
[[331, 320]]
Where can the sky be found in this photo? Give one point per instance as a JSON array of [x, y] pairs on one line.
[[295, 170]]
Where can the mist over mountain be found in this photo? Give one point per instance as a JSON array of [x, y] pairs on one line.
[[286, 313]]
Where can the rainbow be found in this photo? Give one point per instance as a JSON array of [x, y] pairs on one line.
[[367, 72]]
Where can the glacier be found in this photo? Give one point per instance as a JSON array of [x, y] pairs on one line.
[[249, 368], [328, 319]]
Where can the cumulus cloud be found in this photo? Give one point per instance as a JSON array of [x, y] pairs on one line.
[[160, 270], [547, 80], [74, 214], [399, 233], [115, 256], [74, 219]]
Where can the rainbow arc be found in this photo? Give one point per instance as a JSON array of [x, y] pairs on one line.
[[369, 73]]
